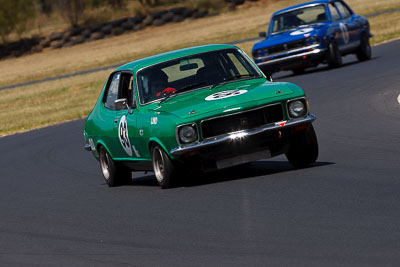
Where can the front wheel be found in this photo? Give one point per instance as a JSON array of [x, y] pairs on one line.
[[364, 50], [163, 167], [114, 173], [334, 57], [303, 149]]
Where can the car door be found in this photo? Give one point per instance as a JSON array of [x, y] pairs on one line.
[[349, 26], [125, 120], [336, 28]]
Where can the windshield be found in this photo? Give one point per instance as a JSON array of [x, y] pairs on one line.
[[193, 72], [295, 18]]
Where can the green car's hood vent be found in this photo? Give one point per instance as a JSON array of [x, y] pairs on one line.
[[228, 98]]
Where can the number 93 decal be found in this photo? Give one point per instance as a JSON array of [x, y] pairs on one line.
[[123, 135]]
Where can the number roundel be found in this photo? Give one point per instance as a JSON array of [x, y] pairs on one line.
[[225, 94], [345, 32], [123, 135]]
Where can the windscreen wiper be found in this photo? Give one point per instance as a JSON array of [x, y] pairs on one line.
[[167, 96], [235, 77], [190, 86]]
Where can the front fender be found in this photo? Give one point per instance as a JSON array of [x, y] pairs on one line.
[[156, 140], [99, 143]]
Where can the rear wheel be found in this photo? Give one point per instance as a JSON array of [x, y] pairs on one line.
[[114, 173], [303, 149], [334, 57], [163, 167], [364, 51]]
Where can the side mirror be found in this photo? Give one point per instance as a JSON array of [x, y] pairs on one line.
[[269, 77], [262, 34], [121, 104]]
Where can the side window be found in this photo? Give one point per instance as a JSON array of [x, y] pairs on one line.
[[344, 11], [334, 13], [278, 24], [112, 91], [126, 90]]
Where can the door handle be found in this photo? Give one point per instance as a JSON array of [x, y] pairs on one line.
[[116, 120]]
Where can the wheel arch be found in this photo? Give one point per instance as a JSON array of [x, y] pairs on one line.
[[364, 32], [100, 143], [157, 141]]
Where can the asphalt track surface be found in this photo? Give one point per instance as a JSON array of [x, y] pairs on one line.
[[343, 211]]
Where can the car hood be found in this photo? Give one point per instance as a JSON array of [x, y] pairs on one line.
[[294, 34], [227, 98]]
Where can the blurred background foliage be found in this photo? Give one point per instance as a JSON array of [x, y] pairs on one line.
[[14, 16], [19, 17]]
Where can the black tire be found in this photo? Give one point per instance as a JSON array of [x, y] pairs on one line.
[[364, 51], [177, 10], [114, 173], [117, 22], [127, 26], [303, 149], [334, 58], [106, 29], [148, 21], [74, 32], [158, 14], [58, 44], [56, 36], [167, 17], [86, 33], [139, 27], [78, 40], [97, 36], [96, 27], [117, 31], [158, 22], [163, 167], [178, 18], [137, 19]]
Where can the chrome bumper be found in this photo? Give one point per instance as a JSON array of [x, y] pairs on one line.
[[87, 147], [241, 134], [292, 57]]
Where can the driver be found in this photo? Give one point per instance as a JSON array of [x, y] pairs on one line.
[[291, 21], [158, 81], [158, 85]]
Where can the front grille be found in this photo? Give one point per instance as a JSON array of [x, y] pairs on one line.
[[243, 121], [287, 47]]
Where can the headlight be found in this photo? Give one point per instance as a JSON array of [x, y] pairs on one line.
[[261, 53], [187, 134], [297, 108]]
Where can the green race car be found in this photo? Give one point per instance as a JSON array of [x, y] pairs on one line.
[[196, 109]]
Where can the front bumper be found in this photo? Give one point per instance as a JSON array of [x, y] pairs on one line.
[[293, 59], [226, 139]]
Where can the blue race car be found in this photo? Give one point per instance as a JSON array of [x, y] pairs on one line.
[[308, 34]]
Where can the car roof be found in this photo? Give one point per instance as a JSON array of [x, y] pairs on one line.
[[303, 5], [144, 62]]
